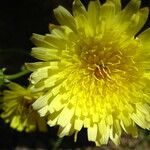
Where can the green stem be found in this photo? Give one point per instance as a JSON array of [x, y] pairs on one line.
[[57, 144], [17, 75]]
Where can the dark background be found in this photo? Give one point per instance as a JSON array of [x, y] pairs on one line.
[[18, 20]]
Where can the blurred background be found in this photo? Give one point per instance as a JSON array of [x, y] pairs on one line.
[[18, 20]]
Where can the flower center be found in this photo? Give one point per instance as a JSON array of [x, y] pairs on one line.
[[101, 72], [105, 59], [27, 102]]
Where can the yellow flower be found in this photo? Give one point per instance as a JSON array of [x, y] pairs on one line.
[[18, 111], [96, 71]]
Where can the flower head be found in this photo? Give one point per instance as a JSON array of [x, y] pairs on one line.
[[18, 111], [96, 71]]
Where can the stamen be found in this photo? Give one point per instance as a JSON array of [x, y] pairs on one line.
[[108, 69], [118, 56], [93, 74], [102, 63], [90, 68]]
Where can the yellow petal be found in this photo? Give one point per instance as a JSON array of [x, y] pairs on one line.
[[137, 21], [139, 119], [132, 7], [52, 119], [58, 43], [144, 108], [43, 111], [53, 80], [145, 38], [104, 132], [92, 133], [64, 17], [59, 31], [38, 40], [82, 23], [65, 116], [64, 131], [117, 5], [123, 18], [15, 87], [45, 53], [57, 103], [117, 127], [87, 122], [93, 14], [44, 72], [35, 66], [15, 122], [78, 124], [114, 137], [78, 8], [107, 13], [41, 101]]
